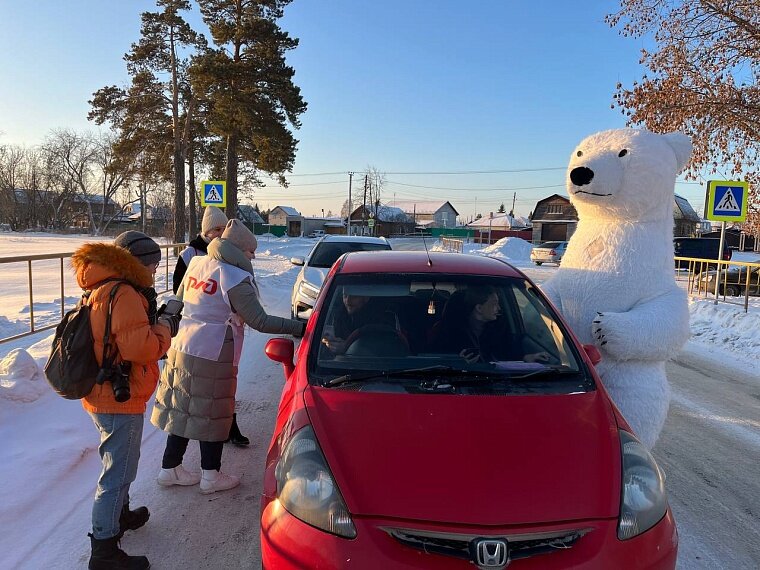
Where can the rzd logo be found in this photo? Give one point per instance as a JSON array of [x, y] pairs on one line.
[[209, 287]]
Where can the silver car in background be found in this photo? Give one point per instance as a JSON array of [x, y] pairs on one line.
[[317, 264], [549, 252]]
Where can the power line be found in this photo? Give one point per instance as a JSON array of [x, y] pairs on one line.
[[470, 188]]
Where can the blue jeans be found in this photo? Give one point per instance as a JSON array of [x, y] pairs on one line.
[[120, 438]]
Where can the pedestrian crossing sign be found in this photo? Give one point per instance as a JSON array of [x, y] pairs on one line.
[[214, 193], [726, 201]]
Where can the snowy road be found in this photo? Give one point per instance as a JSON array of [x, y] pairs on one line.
[[710, 451]]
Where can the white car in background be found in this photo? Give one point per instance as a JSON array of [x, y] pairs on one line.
[[549, 252], [317, 264]]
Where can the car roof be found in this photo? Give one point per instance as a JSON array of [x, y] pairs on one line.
[[355, 239], [417, 262]]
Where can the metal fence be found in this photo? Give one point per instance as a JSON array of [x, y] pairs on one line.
[[162, 281], [452, 244], [732, 282]]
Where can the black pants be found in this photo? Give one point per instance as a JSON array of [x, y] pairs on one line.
[[211, 453]]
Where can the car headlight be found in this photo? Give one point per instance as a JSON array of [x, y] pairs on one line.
[[308, 290], [644, 501], [306, 488]]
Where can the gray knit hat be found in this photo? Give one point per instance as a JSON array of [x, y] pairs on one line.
[[141, 246], [240, 236], [213, 217]]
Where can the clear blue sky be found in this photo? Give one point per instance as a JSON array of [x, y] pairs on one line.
[[410, 87]]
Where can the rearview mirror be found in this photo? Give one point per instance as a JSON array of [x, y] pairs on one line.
[[296, 260], [281, 350], [592, 352]]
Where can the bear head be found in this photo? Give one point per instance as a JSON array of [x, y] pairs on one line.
[[626, 174]]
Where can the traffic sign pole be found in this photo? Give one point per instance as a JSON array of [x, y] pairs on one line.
[[720, 258]]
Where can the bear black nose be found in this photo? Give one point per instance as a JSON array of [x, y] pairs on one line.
[[581, 176]]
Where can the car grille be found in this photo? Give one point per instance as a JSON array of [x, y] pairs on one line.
[[463, 545]]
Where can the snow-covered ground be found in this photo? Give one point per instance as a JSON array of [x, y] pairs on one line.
[[48, 459]]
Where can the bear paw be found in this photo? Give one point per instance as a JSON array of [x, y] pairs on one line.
[[609, 334]]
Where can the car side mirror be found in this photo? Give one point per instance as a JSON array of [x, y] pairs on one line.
[[296, 260], [281, 350], [592, 352]]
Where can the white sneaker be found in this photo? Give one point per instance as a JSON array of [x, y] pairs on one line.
[[213, 481], [178, 476]]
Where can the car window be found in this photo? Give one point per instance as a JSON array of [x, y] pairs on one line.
[[550, 245], [377, 323], [326, 253]]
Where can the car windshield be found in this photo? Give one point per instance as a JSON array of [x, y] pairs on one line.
[[461, 333], [327, 252], [550, 245]]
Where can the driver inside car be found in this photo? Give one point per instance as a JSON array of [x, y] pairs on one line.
[[355, 312]]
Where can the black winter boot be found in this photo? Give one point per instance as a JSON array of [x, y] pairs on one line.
[[132, 520], [235, 436], [106, 555]]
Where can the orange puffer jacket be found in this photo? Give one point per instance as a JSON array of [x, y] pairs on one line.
[[134, 338]]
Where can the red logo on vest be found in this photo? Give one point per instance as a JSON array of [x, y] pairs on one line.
[[209, 287]]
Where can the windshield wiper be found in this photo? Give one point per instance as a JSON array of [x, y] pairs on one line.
[[541, 374], [436, 370]]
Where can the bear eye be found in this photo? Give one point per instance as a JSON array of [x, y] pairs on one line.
[[579, 153], [622, 153]]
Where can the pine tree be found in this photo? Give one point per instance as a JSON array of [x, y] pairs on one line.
[[159, 80], [502, 208], [250, 87]]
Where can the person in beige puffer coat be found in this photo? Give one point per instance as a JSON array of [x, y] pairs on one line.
[[196, 392]]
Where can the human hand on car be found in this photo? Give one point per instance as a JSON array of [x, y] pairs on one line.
[[334, 344], [541, 357], [470, 355]]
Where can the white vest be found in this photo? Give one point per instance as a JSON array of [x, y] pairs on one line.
[[207, 312], [188, 253]]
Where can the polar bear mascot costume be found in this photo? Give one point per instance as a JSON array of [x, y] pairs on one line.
[[616, 285]]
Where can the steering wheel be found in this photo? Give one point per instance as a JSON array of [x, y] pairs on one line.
[[377, 340]]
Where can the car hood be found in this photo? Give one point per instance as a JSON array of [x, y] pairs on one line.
[[315, 275], [481, 460]]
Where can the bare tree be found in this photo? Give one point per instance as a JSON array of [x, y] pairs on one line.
[[703, 80]]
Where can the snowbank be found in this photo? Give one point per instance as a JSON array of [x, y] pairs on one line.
[[513, 248], [725, 326], [21, 379]]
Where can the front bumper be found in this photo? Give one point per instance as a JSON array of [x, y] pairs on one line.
[[288, 543]]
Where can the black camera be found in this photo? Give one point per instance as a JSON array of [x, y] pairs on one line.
[[118, 376]]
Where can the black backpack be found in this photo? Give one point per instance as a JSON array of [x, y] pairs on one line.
[[72, 367]]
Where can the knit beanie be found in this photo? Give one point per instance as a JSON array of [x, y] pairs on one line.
[[141, 246], [213, 217], [240, 236]]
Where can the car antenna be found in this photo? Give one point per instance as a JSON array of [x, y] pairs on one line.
[[430, 261]]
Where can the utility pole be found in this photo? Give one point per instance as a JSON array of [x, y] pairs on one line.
[[512, 211], [364, 205], [348, 227]]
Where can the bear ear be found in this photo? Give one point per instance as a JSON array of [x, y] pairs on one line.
[[681, 145]]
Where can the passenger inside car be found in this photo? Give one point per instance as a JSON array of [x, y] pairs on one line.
[[473, 326]]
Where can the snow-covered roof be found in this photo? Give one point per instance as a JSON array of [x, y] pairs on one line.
[[391, 214], [422, 207], [289, 210], [250, 215], [686, 209], [500, 221]]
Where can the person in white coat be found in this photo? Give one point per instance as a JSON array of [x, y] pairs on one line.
[[196, 393]]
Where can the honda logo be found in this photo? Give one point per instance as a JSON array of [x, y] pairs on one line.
[[490, 553]]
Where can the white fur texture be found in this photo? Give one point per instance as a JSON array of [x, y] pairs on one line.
[[616, 285]]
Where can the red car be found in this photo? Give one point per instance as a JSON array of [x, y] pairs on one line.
[[441, 415]]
